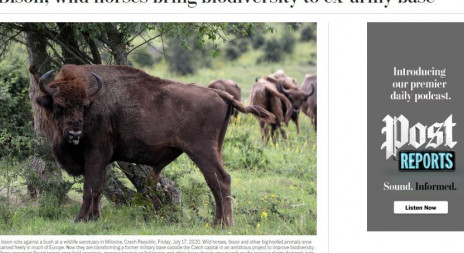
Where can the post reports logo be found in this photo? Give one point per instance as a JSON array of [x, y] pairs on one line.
[[398, 133]]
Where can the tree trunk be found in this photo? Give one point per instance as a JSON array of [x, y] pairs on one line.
[[114, 39], [39, 60], [40, 175], [115, 191], [69, 40], [141, 176], [159, 193]]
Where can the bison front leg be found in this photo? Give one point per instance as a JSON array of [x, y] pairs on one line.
[[296, 124], [94, 182]]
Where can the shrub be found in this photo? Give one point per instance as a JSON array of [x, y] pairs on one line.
[[181, 58], [273, 51], [243, 45], [288, 42], [308, 33], [232, 51], [143, 58], [6, 214], [257, 40]]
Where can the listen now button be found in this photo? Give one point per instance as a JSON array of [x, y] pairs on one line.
[[420, 207]]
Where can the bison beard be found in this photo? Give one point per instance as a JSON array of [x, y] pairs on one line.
[[100, 114]]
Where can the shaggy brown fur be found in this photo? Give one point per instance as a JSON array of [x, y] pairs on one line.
[[230, 87], [264, 94], [287, 86], [310, 105], [135, 117]]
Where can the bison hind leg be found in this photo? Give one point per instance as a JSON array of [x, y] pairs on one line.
[[264, 130], [210, 163]]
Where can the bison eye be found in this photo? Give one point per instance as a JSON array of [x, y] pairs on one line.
[[86, 107], [58, 108]]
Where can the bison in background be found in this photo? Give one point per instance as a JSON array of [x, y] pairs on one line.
[[230, 87], [310, 106], [99, 114], [287, 86], [265, 94], [287, 81]]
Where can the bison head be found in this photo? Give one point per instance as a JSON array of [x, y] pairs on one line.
[[297, 97], [67, 100]]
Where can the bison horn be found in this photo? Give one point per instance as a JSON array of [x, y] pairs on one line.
[[311, 92], [99, 84], [43, 86], [282, 87]]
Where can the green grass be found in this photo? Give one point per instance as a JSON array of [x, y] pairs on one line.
[[274, 186], [277, 196]]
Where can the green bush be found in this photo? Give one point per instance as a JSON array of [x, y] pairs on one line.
[[257, 40], [288, 42], [181, 59], [6, 214], [273, 51], [16, 125], [232, 51], [143, 58], [308, 33]]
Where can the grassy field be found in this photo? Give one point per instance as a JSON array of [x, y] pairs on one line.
[[274, 186]]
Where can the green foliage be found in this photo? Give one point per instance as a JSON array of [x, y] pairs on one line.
[[49, 206], [288, 42], [308, 33], [143, 58], [273, 51], [16, 135], [181, 60], [258, 40], [6, 214], [242, 152], [232, 51]]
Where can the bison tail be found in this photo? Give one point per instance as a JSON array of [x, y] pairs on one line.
[[253, 109], [284, 99], [260, 113]]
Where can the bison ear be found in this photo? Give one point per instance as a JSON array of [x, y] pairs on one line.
[[45, 101]]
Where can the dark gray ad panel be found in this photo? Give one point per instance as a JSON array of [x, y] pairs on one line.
[[415, 136]]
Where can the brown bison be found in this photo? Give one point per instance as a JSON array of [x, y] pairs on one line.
[[310, 106], [100, 114], [287, 86], [265, 94], [230, 87], [287, 81]]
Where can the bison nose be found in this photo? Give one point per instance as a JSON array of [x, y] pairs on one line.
[[75, 134]]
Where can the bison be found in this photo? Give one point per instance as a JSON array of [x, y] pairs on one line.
[[287, 86], [230, 87], [310, 105], [287, 81], [265, 94], [100, 114]]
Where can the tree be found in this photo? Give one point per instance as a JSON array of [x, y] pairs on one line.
[[51, 45]]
